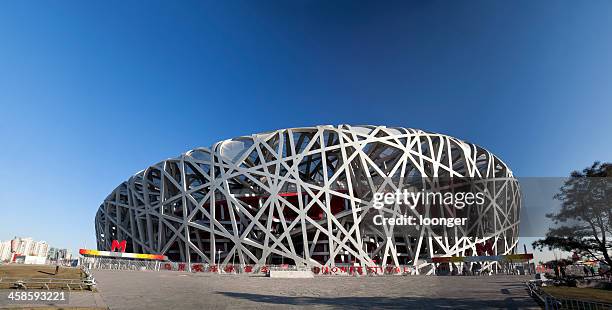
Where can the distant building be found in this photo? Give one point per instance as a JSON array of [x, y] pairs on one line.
[[30, 260], [23, 246], [56, 254], [52, 253], [5, 251], [62, 253]]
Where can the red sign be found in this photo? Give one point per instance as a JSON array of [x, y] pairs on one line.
[[116, 245]]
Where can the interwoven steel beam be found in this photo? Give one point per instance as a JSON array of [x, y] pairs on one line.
[[300, 196]]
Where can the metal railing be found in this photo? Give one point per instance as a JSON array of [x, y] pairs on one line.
[[550, 302], [119, 264], [103, 263]]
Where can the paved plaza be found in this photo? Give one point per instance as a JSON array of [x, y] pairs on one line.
[[167, 290], [175, 290]]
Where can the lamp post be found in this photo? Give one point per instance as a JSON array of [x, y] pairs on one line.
[[219, 261]]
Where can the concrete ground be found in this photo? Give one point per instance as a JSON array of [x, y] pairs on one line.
[[173, 290]]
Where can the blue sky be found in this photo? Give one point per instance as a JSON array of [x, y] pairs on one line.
[[91, 93]]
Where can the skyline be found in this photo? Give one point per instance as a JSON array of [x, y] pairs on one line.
[[91, 94]]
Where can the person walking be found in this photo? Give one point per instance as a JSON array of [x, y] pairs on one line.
[[562, 271]]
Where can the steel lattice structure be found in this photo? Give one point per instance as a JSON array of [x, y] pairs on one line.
[[301, 196]]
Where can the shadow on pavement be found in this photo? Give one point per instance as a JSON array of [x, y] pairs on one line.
[[388, 302]]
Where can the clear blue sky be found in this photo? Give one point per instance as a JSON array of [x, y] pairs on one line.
[[91, 93]]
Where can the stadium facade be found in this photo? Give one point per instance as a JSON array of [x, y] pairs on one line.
[[304, 196]]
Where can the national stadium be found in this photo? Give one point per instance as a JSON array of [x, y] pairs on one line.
[[305, 197]]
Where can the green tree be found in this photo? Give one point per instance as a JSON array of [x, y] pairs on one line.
[[583, 224]]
